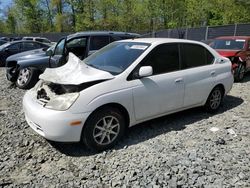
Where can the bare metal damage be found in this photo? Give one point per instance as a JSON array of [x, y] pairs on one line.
[[74, 72], [72, 77]]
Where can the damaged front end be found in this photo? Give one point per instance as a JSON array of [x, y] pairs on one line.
[[60, 87], [55, 96], [59, 96]]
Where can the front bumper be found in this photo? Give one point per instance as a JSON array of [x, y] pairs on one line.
[[11, 74], [51, 124]]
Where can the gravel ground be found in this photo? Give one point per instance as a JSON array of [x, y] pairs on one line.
[[178, 150]]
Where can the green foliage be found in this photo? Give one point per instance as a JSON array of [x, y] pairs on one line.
[[29, 16]]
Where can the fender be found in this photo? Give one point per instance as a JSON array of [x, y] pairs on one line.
[[40, 63]]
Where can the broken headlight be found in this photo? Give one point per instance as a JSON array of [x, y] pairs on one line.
[[62, 102]]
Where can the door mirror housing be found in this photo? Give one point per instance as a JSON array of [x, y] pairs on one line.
[[145, 71], [49, 52]]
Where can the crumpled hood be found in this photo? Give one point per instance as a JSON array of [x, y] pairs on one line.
[[227, 53], [32, 54], [74, 72]]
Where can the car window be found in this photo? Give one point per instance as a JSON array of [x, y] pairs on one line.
[[117, 56], [97, 42], [77, 46], [193, 55], [164, 58], [27, 38], [59, 48], [15, 46], [42, 40], [30, 46]]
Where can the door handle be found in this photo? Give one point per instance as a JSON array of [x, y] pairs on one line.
[[179, 80], [212, 73]]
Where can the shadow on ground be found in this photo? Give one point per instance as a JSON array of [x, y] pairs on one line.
[[246, 77], [152, 128]]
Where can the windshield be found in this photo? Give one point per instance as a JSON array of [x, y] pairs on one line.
[[229, 44], [117, 56]]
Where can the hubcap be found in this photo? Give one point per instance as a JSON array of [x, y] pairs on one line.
[[23, 76], [106, 130], [215, 99]]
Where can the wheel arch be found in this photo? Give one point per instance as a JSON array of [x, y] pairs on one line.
[[220, 85], [118, 106]]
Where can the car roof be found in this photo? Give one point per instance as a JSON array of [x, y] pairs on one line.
[[26, 41], [233, 37], [96, 33], [162, 40]]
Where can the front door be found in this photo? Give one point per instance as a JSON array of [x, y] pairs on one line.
[[58, 58], [163, 91]]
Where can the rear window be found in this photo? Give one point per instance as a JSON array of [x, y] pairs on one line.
[[237, 44]]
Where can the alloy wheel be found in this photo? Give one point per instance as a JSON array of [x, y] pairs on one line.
[[23, 76], [106, 130], [215, 99]]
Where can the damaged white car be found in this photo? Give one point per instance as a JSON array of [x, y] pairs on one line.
[[125, 83]]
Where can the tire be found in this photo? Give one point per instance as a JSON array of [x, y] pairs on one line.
[[27, 78], [98, 134], [239, 73], [2, 62], [214, 100]]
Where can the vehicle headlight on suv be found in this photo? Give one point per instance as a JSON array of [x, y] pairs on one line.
[[62, 102]]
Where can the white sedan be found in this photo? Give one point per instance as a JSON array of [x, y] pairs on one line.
[[123, 84]]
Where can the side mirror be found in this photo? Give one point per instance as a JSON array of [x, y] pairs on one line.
[[145, 71], [49, 52]]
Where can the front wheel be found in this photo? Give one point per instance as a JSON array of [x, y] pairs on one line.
[[214, 100], [103, 129], [27, 78], [240, 72]]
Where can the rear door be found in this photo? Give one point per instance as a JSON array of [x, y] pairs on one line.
[[163, 91], [199, 73]]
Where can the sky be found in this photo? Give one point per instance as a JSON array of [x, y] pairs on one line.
[[3, 5]]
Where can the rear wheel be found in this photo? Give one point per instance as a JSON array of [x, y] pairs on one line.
[[103, 129], [214, 99], [27, 78], [240, 72]]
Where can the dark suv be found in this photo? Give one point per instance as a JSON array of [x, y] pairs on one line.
[[237, 49], [24, 69]]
